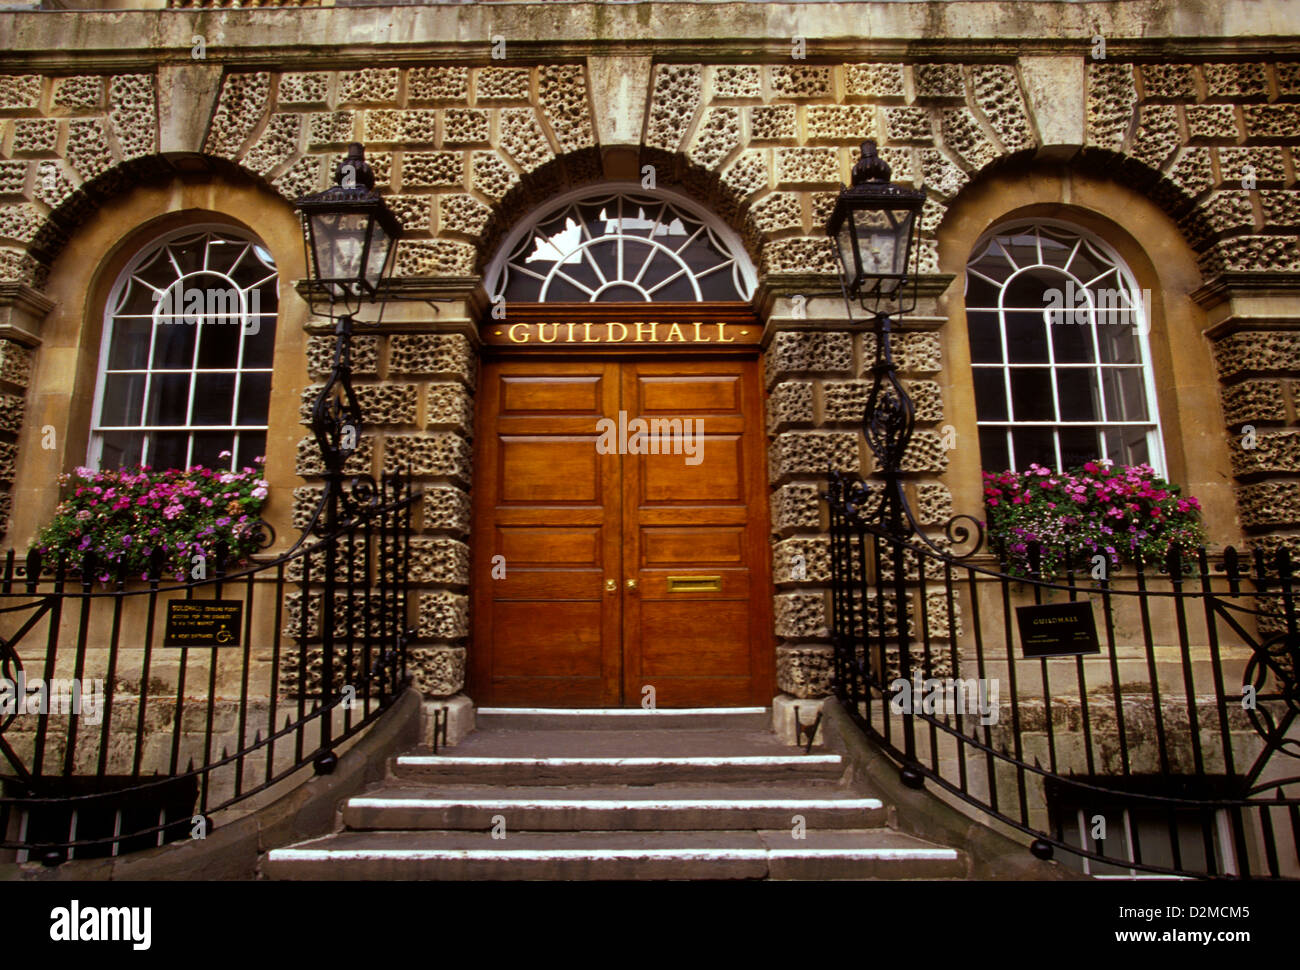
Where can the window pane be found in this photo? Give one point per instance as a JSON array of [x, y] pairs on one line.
[[218, 344], [121, 449], [985, 338], [1078, 445], [208, 446], [169, 398], [1031, 394], [167, 449], [1072, 342], [1026, 337], [129, 349], [259, 341], [1034, 445], [990, 394], [993, 449], [1119, 342], [1128, 446], [1125, 394], [252, 444], [1076, 390], [254, 397], [174, 343], [214, 396], [980, 292], [123, 400]]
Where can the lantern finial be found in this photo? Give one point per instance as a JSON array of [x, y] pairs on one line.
[[353, 169], [870, 167]]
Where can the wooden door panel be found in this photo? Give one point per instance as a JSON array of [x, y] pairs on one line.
[[547, 631], [718, 479]]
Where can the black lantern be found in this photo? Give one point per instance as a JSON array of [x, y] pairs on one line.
[[349, 233], [873, 223]]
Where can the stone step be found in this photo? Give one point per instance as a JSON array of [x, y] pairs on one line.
[[657, 807], [465, 768], [622, 718], [872, 853]]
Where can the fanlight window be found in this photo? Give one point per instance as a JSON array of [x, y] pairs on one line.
[[622, 247], [185, 372], [1059, 352]]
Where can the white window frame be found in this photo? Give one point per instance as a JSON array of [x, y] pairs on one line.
[[1155, 434], [94, 451], [723, 236]]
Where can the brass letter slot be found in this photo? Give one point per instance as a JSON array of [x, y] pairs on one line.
[[694, 584]]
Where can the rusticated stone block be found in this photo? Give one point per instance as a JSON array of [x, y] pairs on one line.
[[805, 672], [35, 136], [802, 559], [799, 255], [772, 122], [1235, 82], [938, 620], [1211, 123], [800, 81], [813, 453], [414, 212], [446, 507], [20, 222], [19, 91], [1157, 136], [717, 137], [305, 500], [380, 403], [1223, 212], [442, 454], [562, 94], [844, 400], [1192, 172], [796, 506], [794, 351], [465, 126], [1112, 96], [1281, 209], [1168, 82], [11, 413], [908, 126], [1252, 401], [429, 84], [938, 83], [373, 85], [84, 92], [53, 184], [1256, 351], [423, 170], [133, 115], [501, 84], [8, 455], [438, 560], [963, 135], [522, 138], [777, 212], [436, 257], [15, 363], [677, 91], [1245, 254], [420, 127], [491, 176], [20, 267], [921, 353], [875, 82], [790, 403], [998, 95], [444, 615], [309, 459], [462, 214], [450, 406], [1288, 80], [87, 149], [13, 178], [381, 126], [277, 144], [304, 90], [243, 101], [1277, 451], [925, 453], [941, 175], [365, 355], [747, 174], [330, 129], [1272, 122], [437, 671], [1269, 504], [433, 355], [841, 123], [801, 616], [933, 503], [736, 81]]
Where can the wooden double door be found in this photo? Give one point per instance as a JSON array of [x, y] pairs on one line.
[[613, 559]]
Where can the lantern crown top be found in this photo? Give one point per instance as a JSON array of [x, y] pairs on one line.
[[354, 168], [870, 167]]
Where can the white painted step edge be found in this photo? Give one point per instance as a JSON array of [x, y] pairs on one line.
[[433, 760], [618, 711], [598, 804], [422, 855]]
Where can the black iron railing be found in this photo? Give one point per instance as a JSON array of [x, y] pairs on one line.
[[1168, 751]]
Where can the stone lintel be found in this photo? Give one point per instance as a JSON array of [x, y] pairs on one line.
[[22, 313]]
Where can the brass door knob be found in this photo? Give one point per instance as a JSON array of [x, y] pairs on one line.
[[631, 584], [611, 585]]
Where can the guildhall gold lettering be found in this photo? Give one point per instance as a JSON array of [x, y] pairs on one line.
[[722, 335], [609, 331], [675, 329], [515, 337], [541, 333], [654, 331], [587, 338]]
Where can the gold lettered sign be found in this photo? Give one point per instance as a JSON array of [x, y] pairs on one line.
[[203, 623], [595, 326]]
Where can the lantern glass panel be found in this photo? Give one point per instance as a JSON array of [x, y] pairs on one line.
[[844, 243], [339, 239], [381, 245]]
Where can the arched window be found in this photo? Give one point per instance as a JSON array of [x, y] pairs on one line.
[[185, 368], [609, 244], [1059, 352]]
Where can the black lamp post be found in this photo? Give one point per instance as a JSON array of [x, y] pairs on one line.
[[873, 226], [350, 236]]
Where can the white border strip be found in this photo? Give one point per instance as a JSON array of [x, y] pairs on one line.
[[608, 804], [617, 711], [443, 761], [600, 855]]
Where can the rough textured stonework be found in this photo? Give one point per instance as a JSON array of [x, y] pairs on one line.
[[678, 89], [562, 91], [804, 672], [1112, 96]]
